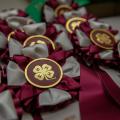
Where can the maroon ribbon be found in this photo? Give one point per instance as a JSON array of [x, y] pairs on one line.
[[95, 102]]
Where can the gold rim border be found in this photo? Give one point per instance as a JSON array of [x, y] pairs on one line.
[[73, 19], [38, 86], [10, 34], [104, 30], [41, 36], [61, 6]]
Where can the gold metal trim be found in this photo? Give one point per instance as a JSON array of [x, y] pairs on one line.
[[61, 7], [71, 20], [41, 36], [10, 34]]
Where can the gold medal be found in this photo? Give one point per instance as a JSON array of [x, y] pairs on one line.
[[102, 38], [43, 73]]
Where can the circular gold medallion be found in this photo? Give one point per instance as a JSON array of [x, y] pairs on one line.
[[72, 23], [102, 38], [38, 39], [43, 73], [61, 9]]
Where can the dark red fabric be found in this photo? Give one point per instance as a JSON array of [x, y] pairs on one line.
[[94, 103]]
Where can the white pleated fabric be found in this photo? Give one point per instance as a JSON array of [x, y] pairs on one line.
[[4, 14], [3, 41], [36, 51], [15, 47], [16, 22], [60, 28], [48, 14], [27, 116], [15, 75], [70, 112], [35, 29], [79, 12], [96, 24], [53, 96], [63, 40], [7, 109], [71, 67], [84, 41]]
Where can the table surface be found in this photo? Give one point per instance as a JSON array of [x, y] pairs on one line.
[[114, 21], [13, 4]]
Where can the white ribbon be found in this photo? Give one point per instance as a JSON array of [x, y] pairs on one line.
[[63, 40], [16, 22], [53, 96], [3, 40], [35, 29], [48, 13], [7, 108], [79, 12], [15, 75], [8, 12], [71, 67]]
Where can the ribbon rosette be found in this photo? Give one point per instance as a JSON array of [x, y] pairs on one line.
[[92, 52], [53, 7], [27, 95], [68, 87]]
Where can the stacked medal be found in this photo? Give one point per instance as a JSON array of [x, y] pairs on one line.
[[62, 66]]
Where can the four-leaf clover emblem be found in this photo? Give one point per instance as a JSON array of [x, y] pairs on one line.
[[43, 72], [103, 38]]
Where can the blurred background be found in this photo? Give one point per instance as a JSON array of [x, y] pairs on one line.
[[106, 10]]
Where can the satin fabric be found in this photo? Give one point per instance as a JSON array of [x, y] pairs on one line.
[[4, 14], [60, 96], [16, 22], [7, 109], [95, 102]]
